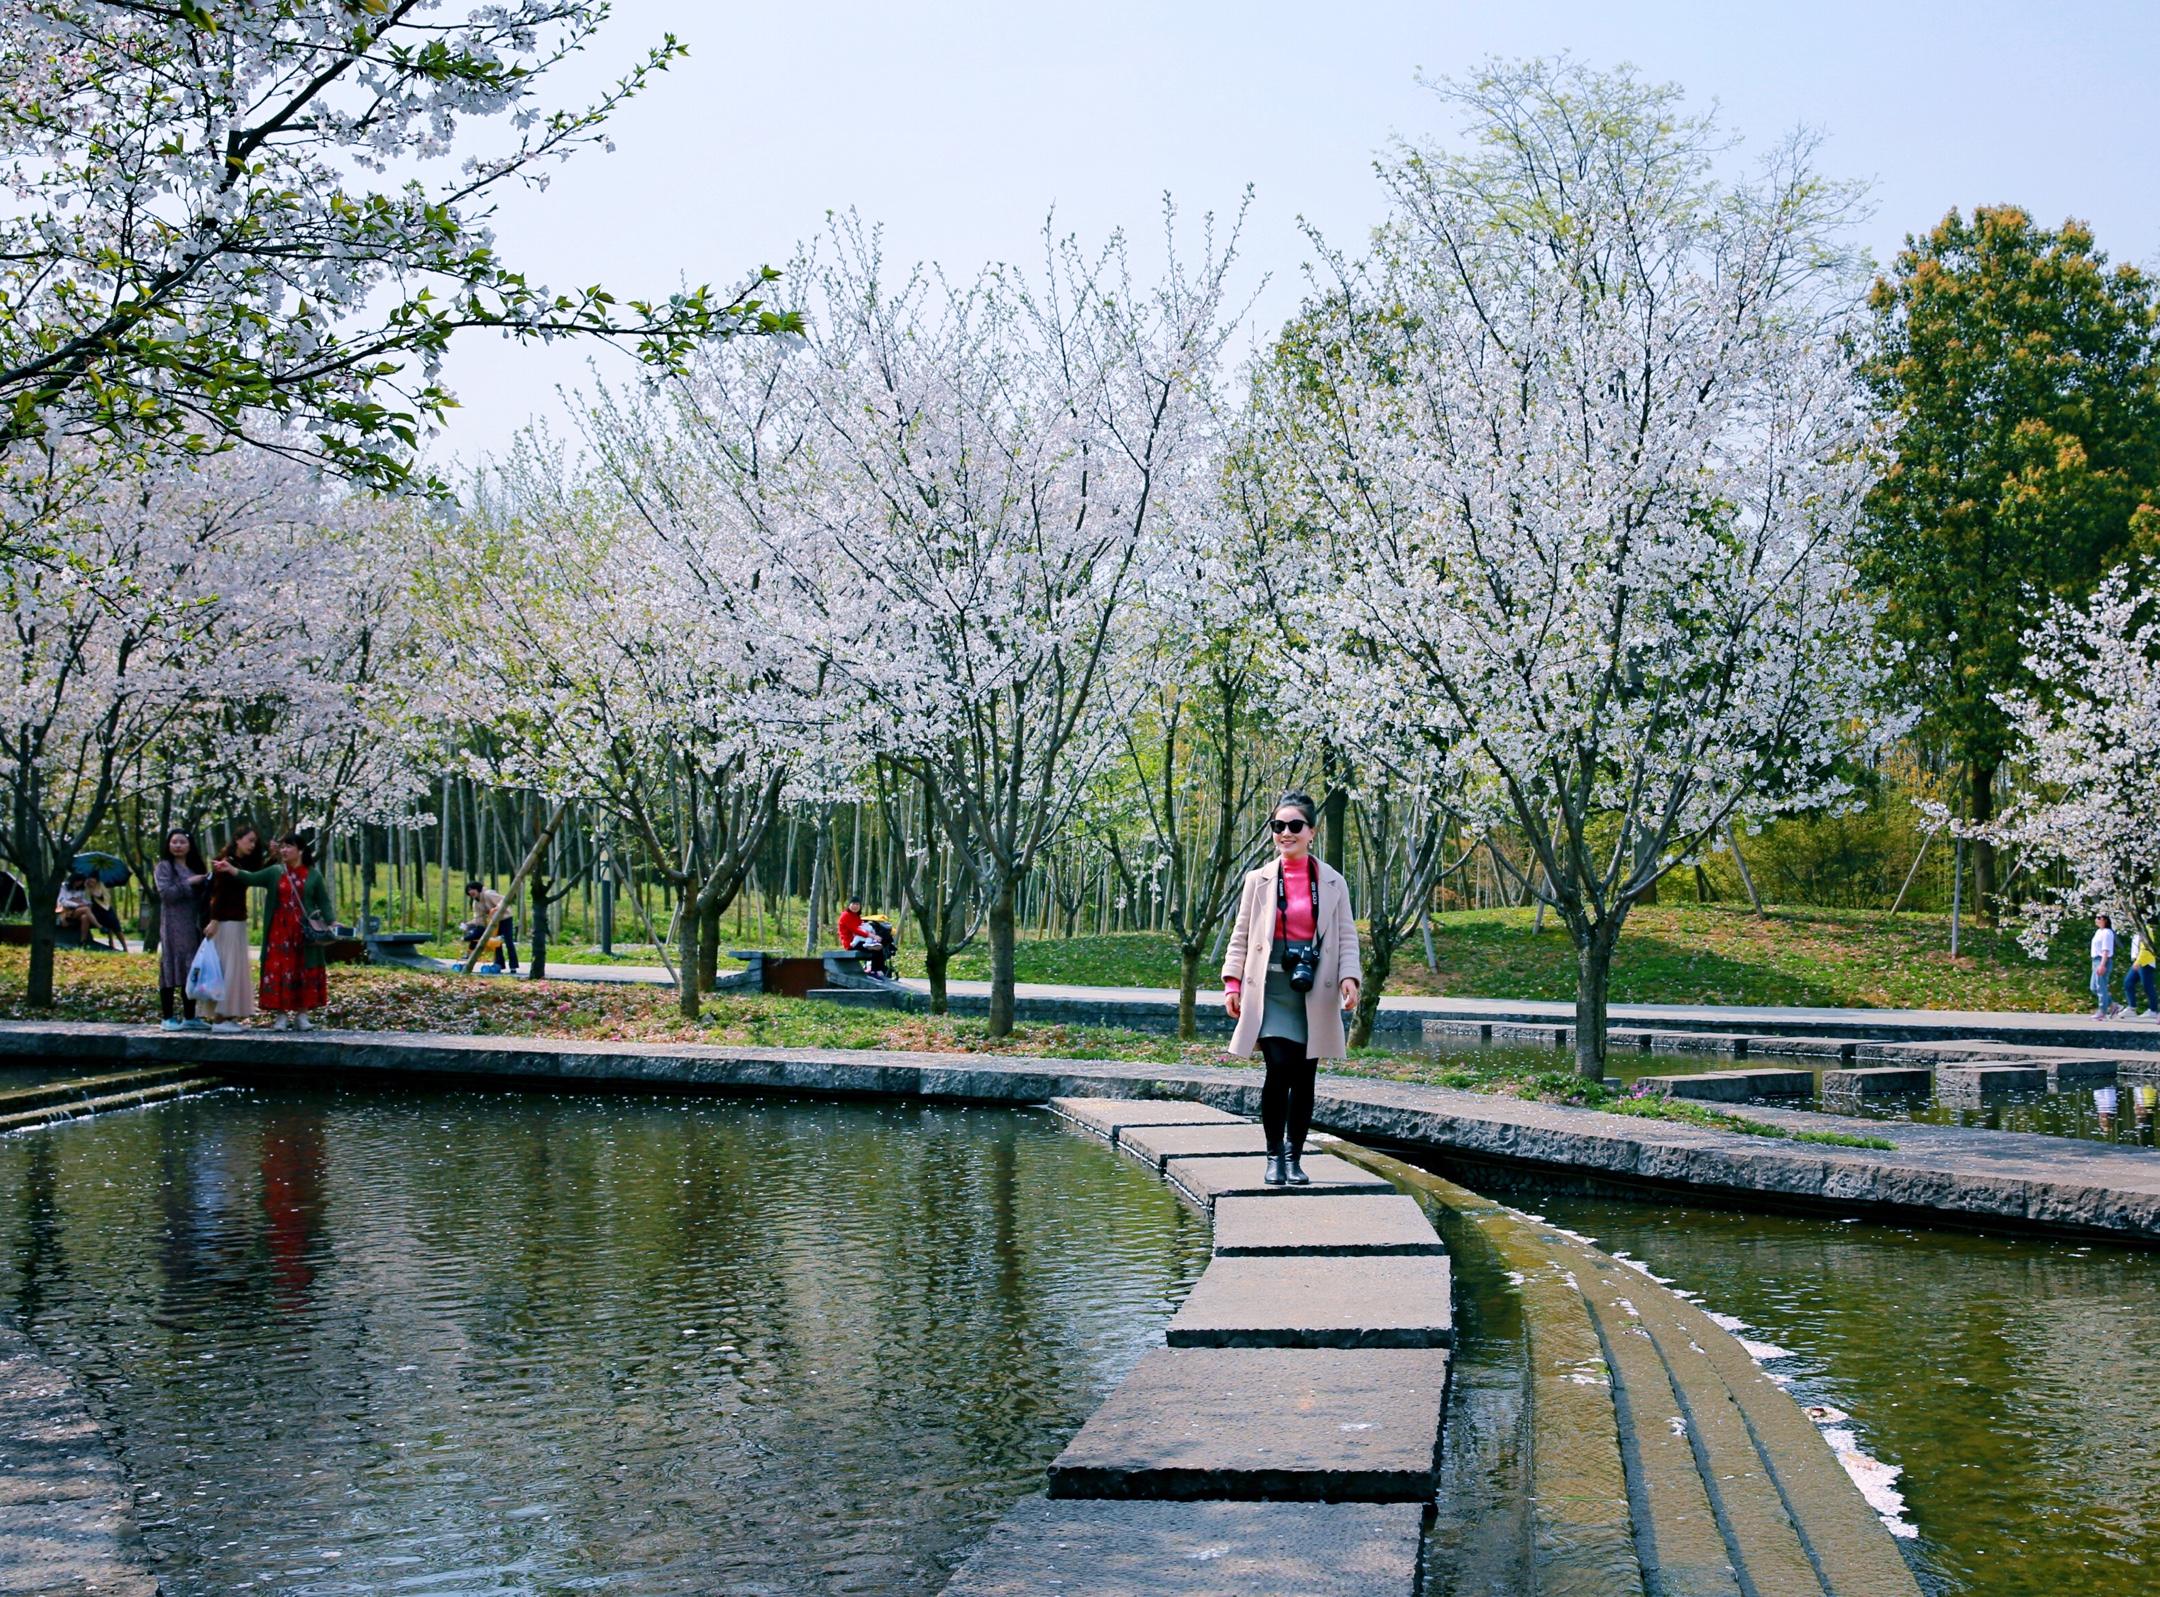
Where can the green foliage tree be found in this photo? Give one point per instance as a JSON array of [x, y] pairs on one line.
[[2020, 370]]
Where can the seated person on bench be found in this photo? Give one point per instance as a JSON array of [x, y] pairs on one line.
[[872, 939]]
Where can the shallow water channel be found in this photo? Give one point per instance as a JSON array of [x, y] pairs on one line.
[[431, 1342], [2014, 1382]]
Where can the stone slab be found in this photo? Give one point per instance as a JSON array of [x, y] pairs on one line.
[[1265, 1424], [1991, 1078], [1106, 1117], [1156, 1146], [1206, 1180], [1843, 1049], [67, 1522], [1153, 1549], [1318, 1302], [1699, 1042], [1348, 1223], [1733, 1086], [1868, 1080]]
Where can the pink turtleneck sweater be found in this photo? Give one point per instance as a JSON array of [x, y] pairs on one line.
[[1295, 925]]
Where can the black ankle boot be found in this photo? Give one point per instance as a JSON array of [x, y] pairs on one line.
[[1293, 1172], [1274, 1175]]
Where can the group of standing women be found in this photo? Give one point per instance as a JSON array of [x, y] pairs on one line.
[[201, 903]]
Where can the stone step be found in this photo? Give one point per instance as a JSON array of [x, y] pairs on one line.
[[1955, 1083], [1156, 1146], [1162, 1549], [1265, 1424], [1243, 1301], [1107, 1116], [1206, 1180], [1732, 1086], [1869, 1080], [1350, 1223]]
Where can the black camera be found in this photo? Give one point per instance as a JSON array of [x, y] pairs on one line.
[[1302, 962]]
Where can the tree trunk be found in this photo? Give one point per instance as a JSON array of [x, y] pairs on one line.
[[1377, 969], [1982, 778], [1593, 981], [1002, 929], [686, 956], [1188, 1022], [935, 959], [1335, 826], [44, 892], [708, 969], [536, 963]]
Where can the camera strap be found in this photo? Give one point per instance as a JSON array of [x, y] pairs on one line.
[[1282, 901]]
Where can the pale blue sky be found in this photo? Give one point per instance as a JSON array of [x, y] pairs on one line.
[[959, 125]]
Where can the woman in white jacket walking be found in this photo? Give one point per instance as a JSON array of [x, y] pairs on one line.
[[1289, 973]]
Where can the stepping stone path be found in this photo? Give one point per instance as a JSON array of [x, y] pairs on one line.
[[1287, 1437], [1207, 1181]]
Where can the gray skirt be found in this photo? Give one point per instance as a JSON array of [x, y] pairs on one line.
[[1284, 1013]]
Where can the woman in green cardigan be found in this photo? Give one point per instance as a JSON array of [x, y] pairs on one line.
[[293, 978]]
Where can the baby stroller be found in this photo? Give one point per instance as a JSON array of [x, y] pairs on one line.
[[878, 942]]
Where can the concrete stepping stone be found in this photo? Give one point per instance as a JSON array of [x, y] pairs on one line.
[[1154, 1549], [1970, 1083], [1733, 1086], [1870, 1080], [1317, 1302], [1106, 1117], [1155, 1146], [1265, 1424], [1348, 1223], [1205, 1180]]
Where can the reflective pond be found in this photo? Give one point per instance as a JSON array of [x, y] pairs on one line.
[[457, 1341], [2015, 1383]]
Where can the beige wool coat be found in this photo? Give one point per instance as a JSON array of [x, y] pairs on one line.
[[1252, 948]]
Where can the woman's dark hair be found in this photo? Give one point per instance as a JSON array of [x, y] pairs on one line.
[[306, 846], [254, 856], [1302, 803], [193, 859]]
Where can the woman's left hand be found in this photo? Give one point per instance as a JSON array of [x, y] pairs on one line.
[[1349, 992]]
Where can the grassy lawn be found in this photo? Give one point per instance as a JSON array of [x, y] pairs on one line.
[[1669, 954]]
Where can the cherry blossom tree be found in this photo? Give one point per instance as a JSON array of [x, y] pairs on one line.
[[603, 648], [182, 595], [1579, 451], [203, 243], [2089, 744], [958, 498]]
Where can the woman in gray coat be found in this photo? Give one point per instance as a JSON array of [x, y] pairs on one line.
[[1294, 948], [181, 881]]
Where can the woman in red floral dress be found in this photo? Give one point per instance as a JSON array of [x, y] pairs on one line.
[[293, 977]]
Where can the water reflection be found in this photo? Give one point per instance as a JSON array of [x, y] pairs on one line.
[[2015, 1382], [439, 1342]]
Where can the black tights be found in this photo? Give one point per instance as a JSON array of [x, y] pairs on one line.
[[1286, 1095], [165, 1002]]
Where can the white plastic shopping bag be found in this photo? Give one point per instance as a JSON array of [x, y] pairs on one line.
[[206, 977]]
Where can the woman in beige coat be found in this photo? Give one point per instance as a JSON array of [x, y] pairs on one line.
[[1293, 931]]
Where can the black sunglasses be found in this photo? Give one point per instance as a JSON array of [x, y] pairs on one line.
[[1292, 827]]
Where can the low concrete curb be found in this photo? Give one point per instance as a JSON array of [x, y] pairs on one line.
[[1936, 1175]]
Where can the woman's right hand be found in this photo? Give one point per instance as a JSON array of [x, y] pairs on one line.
[[1234, 1002]]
